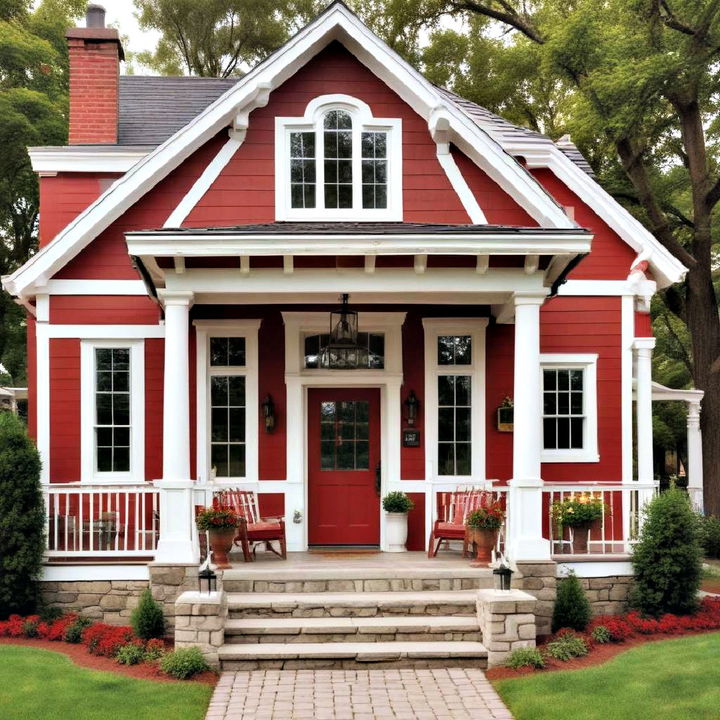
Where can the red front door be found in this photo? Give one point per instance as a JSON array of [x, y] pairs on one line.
[[343, 455]]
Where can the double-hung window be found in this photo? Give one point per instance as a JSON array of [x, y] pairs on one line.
[[569, 420], [227, 399], [338, 162], [112, 410], [454, 392]]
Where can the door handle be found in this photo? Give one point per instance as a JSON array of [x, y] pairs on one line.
[[378, 483]]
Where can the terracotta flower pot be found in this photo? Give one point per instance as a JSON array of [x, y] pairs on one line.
[[221, 541], [580, 537], [483, 542]]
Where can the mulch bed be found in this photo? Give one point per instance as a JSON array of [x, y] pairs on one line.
[[711, 585], [80, 656], [598, 655]]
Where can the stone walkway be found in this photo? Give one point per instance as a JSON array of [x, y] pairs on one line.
[[356, 695]]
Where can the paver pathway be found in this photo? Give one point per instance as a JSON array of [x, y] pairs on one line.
[[356, 695]]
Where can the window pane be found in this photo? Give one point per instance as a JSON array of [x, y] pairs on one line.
[[454, 424], [337, 140], [549, 433], [302, 169], [374, 170], [227, 423], [236, 460], [219, 460], [112, 409], [454, 350], [344, 434], [446, 390], [227, 351], [563, 409], [374, 342]]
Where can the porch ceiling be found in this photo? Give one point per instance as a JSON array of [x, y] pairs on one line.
[[258, 262]]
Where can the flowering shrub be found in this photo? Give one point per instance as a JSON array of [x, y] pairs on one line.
[[106, 640], [219, 517], [12, 627], [56, 629], [579, 510], [154, 649], [489, 514], [30, 626]]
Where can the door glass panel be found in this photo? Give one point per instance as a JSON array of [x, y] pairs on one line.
[[344, 435]]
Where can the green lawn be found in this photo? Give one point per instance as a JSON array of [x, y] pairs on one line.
[[43, 685], [668, 680]]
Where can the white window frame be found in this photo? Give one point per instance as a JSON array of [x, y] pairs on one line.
[[248, 329], [363, 121], [88, 461], [476, 329], [588, 363]]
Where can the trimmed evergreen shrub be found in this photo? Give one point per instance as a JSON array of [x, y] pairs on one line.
[[668, 557], [572, 609], [525, 657], [711, 536], [147, 618], [397, 502], [22, 519], [184, 663]]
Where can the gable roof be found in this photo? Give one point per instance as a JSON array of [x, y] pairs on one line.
[[448, 121]]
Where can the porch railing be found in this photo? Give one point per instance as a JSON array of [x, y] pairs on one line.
[[84, 520]]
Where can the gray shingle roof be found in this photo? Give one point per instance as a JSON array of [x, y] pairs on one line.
[[154, 108]]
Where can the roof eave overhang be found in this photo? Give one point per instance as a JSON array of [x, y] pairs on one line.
[[74, 159]]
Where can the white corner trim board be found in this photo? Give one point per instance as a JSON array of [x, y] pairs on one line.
[[460, 186], [336, 23]]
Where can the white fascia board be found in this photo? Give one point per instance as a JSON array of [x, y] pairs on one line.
[[212, 245], [337, 23], [665, 266], [606, 288], [96, 287], [71, 159]]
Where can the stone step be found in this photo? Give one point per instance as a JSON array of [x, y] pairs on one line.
[[351, 629], [314, 580], [358, 604], [352, 654]]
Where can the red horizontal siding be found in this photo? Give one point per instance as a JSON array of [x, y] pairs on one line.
[[412, 459], [103, 310], [154, 379], [611, 257], [643, 325], [64, 410]]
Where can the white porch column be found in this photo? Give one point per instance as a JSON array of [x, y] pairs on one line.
[[176, 508], [643, 413], [525, 540], [695, 461]]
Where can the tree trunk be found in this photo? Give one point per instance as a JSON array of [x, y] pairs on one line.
[[704, 326]]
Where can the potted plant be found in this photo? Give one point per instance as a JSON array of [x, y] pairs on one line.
[[396, 505], [221, 525], [578, 513], [482, 526]]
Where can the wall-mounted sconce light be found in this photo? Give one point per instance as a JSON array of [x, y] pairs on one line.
[[268, 411], [412, 405]]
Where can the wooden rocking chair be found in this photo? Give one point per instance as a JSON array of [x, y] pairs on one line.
[[453, 509], [254, 529]]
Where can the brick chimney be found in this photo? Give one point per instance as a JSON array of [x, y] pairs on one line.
[[95, 54]]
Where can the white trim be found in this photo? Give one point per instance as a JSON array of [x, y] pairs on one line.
[[298, 380], [664, 265], [100, 332], [460, 186], [228, 243], [48, 160], [660, 392], [204, 330], [604, 288], [42, 396], [336, 23], [595, 569], [476, 328], [96, 287], [88, 471], [89, 573], [362, 121], [588, 363], [627, 335], [204, 182]]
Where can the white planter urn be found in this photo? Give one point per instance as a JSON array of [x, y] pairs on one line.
[[396, 531]]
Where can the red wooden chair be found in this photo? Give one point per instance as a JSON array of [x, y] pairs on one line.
[[453, 509], [254, 529]]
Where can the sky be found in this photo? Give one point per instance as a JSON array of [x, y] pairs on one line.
[[121, 14]]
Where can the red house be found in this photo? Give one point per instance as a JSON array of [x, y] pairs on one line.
[[197, 234]]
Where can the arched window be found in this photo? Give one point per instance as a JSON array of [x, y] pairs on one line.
[[338, 163]]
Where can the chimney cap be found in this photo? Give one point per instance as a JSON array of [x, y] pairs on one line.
[[95, 16]]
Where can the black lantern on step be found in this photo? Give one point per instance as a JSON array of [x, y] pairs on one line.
[[412, 405], [503, 576], [343, 351], [207, 581], [268, 411]]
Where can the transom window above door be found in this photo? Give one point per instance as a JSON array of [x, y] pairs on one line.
[[338, 162], [374, 342]]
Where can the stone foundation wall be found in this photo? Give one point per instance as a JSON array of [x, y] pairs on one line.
[[507, 622], [607, 595], [540, 581], [110, 601], [167, 583], [200, 622]]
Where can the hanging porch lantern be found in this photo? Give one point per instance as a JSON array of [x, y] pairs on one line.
[[343, 351]]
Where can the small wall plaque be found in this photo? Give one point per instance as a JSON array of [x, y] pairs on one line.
[[411, 437], [505, 416]]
